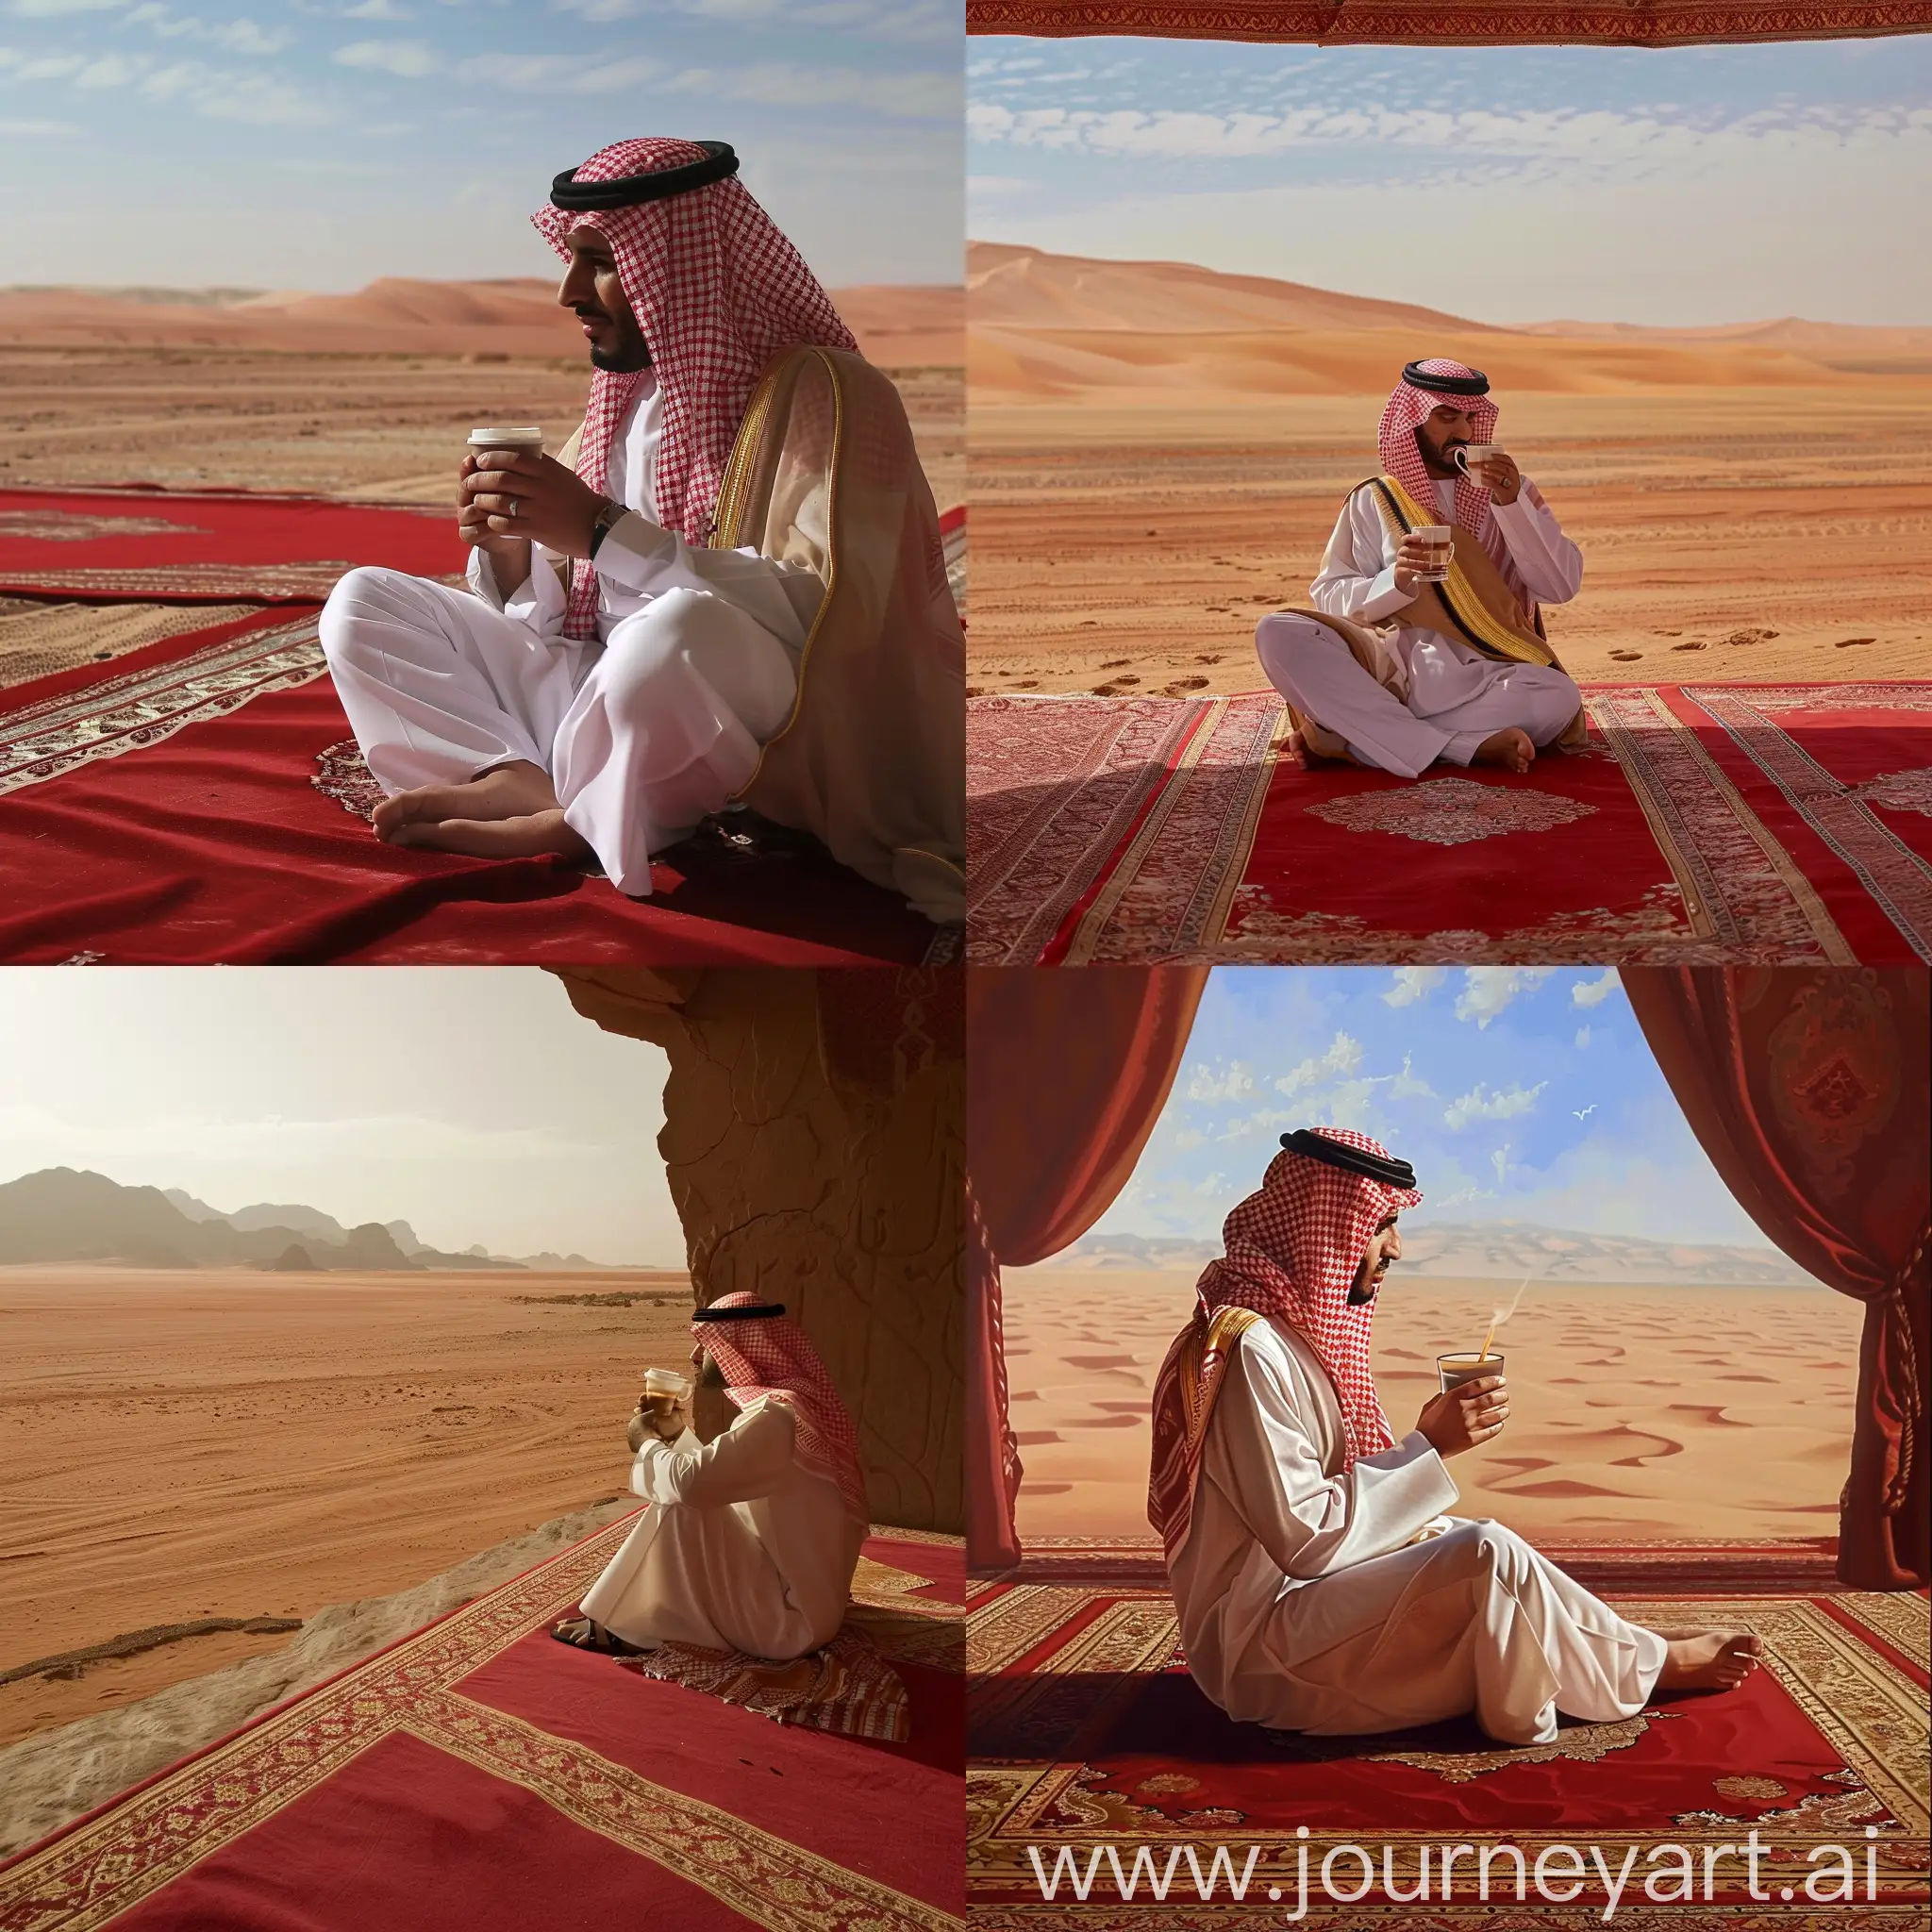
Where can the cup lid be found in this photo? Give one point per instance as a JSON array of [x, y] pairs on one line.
[[494, 437]]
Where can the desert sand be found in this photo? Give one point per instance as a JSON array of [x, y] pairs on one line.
[[226, 1445], [1159, 453], [365, 396], [1635, 1411]]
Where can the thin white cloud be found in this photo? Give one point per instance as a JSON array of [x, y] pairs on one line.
[[1409, 1085], [405, 59], [1480, 1103], [1342, 1057], [900, 96], [1593, 993], [37, 130], [1488, 991], [1413, 983], [557, 72], [1582, 1038], [1234, 1081]]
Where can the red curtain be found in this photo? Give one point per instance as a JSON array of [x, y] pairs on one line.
[[1068, 1071], [1808, 1089]]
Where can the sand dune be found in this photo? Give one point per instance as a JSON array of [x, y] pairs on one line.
[[1048, 324], [897, 327], [1159, 451], [183, 1446], [1637, 1411]]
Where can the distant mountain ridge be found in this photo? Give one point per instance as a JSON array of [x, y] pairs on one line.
[[61, 1214], [1494, 1250]]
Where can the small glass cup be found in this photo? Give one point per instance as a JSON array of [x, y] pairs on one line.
[[1440, 537], [1452, 1370]]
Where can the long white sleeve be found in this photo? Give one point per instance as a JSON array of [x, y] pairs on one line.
[[647, 560], [1269, 1462], [1550, 565], [751, 1459], [1357, 574]]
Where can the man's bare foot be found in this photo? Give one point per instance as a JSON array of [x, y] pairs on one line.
[[1708, 1659], [528, 837], [505, 791], [1509, 748], [581, 1634]]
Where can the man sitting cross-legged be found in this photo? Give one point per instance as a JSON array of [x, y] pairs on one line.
[[1395, 670], [751, 1539], [1320, 1585], [607, 708]]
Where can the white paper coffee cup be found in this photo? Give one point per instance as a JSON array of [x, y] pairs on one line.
[[523, 439], [667, 1383]]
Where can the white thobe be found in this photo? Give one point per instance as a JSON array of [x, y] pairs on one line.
[[1457, 697], [742, 1548], [643, 731], [1316, 1601]]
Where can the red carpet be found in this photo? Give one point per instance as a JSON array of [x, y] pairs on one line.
[[1765, 825], [168, 810], [157, 546], [480, 1777], [1085, 1729]]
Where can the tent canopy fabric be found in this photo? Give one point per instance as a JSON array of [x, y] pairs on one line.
[[1445, 23]]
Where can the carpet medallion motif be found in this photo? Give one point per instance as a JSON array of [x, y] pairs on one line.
[[1449, 811], [1701, 825]]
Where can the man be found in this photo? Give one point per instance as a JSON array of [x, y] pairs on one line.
[[1394, 671], [751, 1539], [1320, 1585], [601, 711]]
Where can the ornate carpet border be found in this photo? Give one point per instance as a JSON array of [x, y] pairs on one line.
[[1050, 1644], [139, 708], [101, 1866], [1177, 876], [1894, 878], [1493, 23]]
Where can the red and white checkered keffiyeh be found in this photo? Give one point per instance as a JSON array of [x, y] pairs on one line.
[[1293, 1250], [717, 292], [1409, 408], [773, 1359]]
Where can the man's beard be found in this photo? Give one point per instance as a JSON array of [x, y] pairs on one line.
[[1366, 1282], [1441, 463], [626, 361]]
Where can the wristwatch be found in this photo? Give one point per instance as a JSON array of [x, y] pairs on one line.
[[606, 515]]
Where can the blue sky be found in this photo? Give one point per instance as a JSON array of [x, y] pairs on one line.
[[318, 143], [1511, 184], [1478, 1075]]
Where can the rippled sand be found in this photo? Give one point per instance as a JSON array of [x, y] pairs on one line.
[[1636, 1412]]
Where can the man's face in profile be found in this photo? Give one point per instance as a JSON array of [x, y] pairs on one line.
[[1385, 1245], [709, 1376], [1445, 429], [593, 292]]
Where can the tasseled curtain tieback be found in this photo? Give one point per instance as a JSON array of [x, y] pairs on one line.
[[1910, 1402]]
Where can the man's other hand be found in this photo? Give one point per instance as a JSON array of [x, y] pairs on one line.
[[509, 557], [1462, 1418], [1500, 476], [531, 498], [1410, 560]]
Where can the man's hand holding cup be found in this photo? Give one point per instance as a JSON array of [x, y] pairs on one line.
[[1466, 1416], [1423, 558], [1494, 469]]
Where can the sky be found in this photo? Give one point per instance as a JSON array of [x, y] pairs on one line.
[[1674, 187], [474, 1104], [320, 143], [1516, 1093]]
